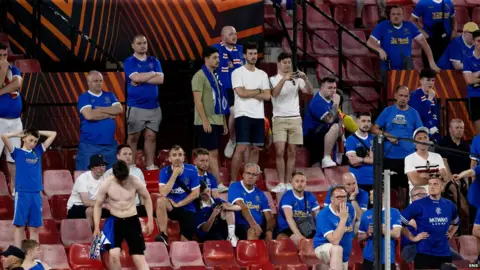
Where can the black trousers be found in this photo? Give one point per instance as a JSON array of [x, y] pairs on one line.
[[438, 46]]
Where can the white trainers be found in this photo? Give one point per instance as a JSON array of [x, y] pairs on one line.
[[233, 239], [152, 167], [289, 186], [279, 188], [222, 188], [328, 162], [229, 149]]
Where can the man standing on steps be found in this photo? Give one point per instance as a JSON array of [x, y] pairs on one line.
[[471, 74], [251, 89], [231, 58], [143, 74], [287, 122]]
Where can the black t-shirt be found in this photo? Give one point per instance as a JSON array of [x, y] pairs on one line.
[[457, 162]]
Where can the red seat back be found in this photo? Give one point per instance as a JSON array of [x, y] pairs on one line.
[[316, 20], [251, 252], [28, 65], [162, 158], [334, 174], [46, 211], [75, 231], [156, 255], [185, 254], [173, 231], [344, 15], [3, 185], [282, 251], [79, 258], [57, 182], [299, 266], [461, 17], [53, 160], [59, 206], [468, 247], [476, 15], [48, 233], [306, 253], [6, 231], [321, 196], [217, 253], [54, 256]]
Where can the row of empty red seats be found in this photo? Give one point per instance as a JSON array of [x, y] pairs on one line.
[[24, 65]]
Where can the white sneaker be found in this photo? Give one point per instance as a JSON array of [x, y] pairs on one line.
[[289, 186], [233, 239], [229, 149], [222, 188], [279, 188], [328, 162], [152, 167]]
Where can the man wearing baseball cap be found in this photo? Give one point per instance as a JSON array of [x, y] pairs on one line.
[[458, 48], [420, 164], [12, 258]]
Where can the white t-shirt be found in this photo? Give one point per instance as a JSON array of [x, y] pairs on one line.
[[85, 183], [414, 162], [133, 171], [258, 79], [287, 102]]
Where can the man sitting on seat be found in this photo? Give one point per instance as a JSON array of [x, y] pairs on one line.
[[124, 153], [84, 192], [12, 258]]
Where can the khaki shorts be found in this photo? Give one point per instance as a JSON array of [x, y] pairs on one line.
[[288, 130], [323, 253]]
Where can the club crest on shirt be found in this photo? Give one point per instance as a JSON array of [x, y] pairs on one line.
[[257, 198], [32, 161], [150, 65], [107, 100], [399, 119], [438, 210]]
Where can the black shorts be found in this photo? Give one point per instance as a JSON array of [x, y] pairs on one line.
[[129, 229], [474, 108], [288, 232], [78, 211], [186, 219], [399, 180], [209, 141], [424, 261], [368, 265], [141, 211], [250, 131], [230, 96], [314, 142], [218, 231], [241, 230]]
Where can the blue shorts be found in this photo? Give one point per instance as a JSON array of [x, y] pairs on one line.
[[250, 131], [86, 150], [28, 209]]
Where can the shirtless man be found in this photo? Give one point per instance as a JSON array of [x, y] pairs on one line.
[[121, 190]]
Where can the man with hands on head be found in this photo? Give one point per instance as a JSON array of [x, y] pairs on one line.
[[179, 186], [124, 224], [334, 235]]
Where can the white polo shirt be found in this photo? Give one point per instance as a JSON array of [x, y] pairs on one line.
[[287, 102]]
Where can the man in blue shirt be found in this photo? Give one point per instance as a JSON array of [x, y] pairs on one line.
[[296, 204], [471, 74], [231, 58], [179, 186], [10, 107], [439, 26], [398, 121], [143, 74], [98, 110], [334, 235], [393, 38], [201, 160], [255, 220], [476, 230], [365, 233], [358, 150], [28, 184], [438, 218], [475, 151], [320, 125], [424, 100], [458, 48]]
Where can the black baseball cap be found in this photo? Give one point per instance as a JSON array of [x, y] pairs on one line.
[[97, 160], [15, 251]]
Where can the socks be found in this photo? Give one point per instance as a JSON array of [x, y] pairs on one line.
[[231, 230]]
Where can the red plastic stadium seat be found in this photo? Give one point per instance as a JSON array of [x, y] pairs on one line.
[[79, 258], [185, 254], [461, 17], [299, 266], [149, 237], [468, 247], [225, 176], [321, 196], [6, 208], [75, 231], [282, 251], [156, 254], [316, 181], [152, 180], [216, 253], [316, 20], [251, 252], [173, 231], [286, 46], [271, 202], [369, 93], [358, 76], [53, 160], [4, 39], [263, 266], [476, 15], [193, 268], [356, 254], [48, 233], [125, 259], [320, 39], [140, 159], [6, 232], [59, 206], [329, 62], [162, 158], [76, 174], [370, 16], [306, 253], [344, 14], [57, 182], [70, 155], [3, 185], [226, 267], [28, 65], [350, 46], [54, 256], [334, 174], [302, 157], [46, 212]]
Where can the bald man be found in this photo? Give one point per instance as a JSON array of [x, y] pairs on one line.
[[98, 110], [231, 58]]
